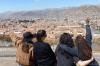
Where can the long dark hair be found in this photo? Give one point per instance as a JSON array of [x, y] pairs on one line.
[[27, 40], [80, 40], [40, 35], [66, 39], [84, 50]]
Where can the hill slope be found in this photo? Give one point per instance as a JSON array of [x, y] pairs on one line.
[[57, 13]]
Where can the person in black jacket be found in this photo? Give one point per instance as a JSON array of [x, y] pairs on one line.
[[44, 56]]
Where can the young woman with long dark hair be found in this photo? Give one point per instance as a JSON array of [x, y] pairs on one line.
[[84, 45], [64, 58]]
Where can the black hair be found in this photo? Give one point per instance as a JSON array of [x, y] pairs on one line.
[[27, 39], [40, 34], [66, 39]]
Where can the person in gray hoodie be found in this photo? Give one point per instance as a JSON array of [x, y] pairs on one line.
[[64, 58]]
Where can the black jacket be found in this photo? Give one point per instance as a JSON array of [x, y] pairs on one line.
[[44, 56]]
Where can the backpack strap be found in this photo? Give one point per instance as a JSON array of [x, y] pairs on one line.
[[31, 53]]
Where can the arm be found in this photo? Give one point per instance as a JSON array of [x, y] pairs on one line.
[[84, 63], [88, 33], [71, 51]]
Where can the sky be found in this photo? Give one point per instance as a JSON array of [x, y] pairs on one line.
[[25, 5]]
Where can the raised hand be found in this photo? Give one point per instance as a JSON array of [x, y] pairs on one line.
[[87, 21]]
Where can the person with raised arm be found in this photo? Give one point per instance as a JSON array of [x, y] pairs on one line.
[[82, 51]]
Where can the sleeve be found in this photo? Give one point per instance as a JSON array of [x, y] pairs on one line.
[[88, 35], [76, 59], [71, 51]]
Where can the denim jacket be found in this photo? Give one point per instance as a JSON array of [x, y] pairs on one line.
[[88, 35]]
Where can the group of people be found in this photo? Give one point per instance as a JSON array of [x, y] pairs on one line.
[[67, 53]]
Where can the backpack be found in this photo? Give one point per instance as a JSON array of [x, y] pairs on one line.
[[24, 58]]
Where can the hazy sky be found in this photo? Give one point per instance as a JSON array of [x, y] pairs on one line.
[[18, 5]]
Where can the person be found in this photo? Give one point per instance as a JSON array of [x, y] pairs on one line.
[[25, 49], [87, 41], [64, 58], [44, 56], [82, 44]]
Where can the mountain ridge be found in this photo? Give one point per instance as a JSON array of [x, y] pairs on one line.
[[57, 13]]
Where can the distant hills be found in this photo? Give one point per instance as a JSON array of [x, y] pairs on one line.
[[76, 13]]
